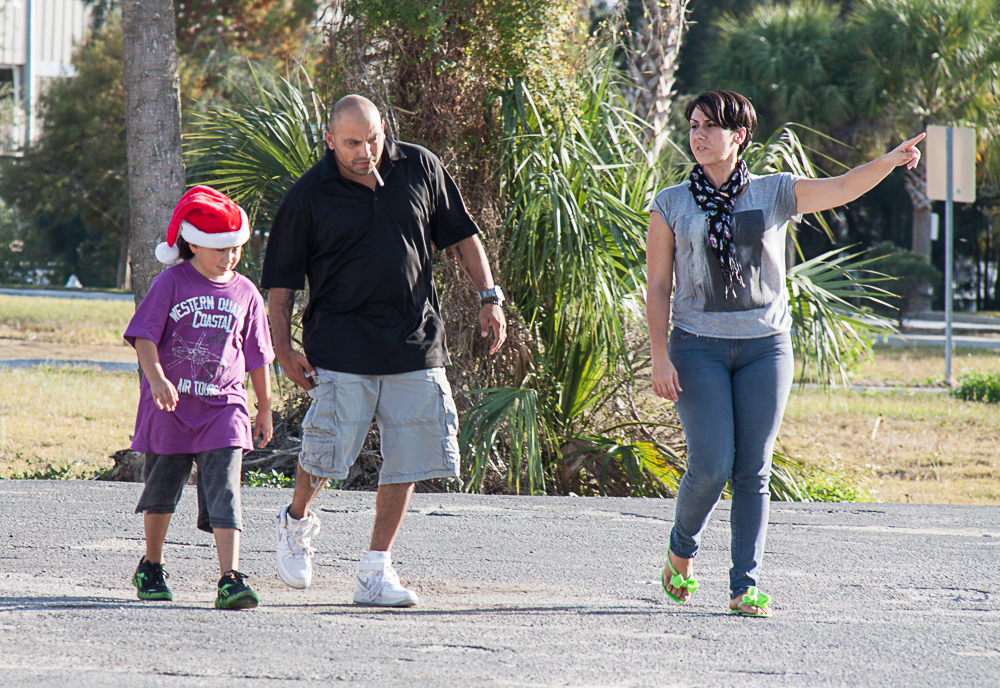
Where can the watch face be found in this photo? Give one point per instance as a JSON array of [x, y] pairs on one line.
[[492, 292]]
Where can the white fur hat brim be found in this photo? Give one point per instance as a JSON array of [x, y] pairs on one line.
[[195, 236]]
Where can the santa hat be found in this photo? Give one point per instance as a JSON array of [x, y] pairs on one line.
[[204, 217]]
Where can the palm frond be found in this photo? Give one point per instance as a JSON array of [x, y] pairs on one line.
[[255, 152], [515, 409], [831, 327], [578, 184], [649, 468], [784, 483]]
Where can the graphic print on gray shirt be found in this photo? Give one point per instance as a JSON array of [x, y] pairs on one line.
[[760, 223]]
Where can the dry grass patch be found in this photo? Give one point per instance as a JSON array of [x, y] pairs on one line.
[[62, 417], [921, 366], [929, 447], [64, 321]]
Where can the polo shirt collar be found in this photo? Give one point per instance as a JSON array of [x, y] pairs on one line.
[[390, 154]]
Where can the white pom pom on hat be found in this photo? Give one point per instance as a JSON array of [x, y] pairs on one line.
[[165, 253], [204, 217]]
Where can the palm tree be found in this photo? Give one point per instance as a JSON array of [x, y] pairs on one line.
[[924, 62], [153, 130], [656, 44], [786, 60]]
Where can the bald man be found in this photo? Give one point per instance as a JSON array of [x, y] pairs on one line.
[[362, 226]]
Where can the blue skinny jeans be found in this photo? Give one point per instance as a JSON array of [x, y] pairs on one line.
[[733, 398]]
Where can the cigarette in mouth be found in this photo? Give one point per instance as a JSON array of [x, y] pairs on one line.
[[378, 177]]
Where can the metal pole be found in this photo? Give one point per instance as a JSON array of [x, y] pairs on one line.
[[948, 254], [29, 91]]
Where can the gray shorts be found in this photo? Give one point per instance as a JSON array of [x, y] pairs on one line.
[[416, 417], [218, 486]]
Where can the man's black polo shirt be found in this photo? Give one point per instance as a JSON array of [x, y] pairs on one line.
[[373, 308]]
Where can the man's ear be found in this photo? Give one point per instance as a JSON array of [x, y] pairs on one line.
[[328, 137], [382, 123]]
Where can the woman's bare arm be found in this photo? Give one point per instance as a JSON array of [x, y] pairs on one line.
[[660, 281], [815, 195]]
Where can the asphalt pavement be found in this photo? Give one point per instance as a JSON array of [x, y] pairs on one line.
[[514, 591]]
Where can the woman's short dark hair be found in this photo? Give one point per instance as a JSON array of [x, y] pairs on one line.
[[185, 248], [727, 109]]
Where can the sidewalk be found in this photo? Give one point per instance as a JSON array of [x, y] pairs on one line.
[[515, 591]]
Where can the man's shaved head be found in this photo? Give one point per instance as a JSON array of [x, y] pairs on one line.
[[356, 137], [356, 108]]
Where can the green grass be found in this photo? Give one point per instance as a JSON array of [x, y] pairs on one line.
[[65, 321], [50, 472]]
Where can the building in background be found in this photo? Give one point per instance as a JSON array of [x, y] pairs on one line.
[[36, 45]]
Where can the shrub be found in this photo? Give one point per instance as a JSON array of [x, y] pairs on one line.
[[979, 387], [822, 485], [272, 479], [913, 277]]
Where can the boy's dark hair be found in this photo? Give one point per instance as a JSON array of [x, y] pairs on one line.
[[185, 248], [728, 109]]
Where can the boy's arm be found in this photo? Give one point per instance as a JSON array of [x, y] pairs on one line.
[[263, 426], [164, 393]]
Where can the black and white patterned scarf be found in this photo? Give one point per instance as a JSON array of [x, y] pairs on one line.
[[718, 203]]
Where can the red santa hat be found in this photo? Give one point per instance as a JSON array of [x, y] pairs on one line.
[[204, 217]]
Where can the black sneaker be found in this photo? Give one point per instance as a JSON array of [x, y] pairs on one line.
[[234, 593], [150, 581]]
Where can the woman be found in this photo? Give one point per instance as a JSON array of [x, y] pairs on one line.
[[727, 363]]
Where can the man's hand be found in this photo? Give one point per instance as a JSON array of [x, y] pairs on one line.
[[164, 393], [491, 317], [280, 305], [263, 427], [296, 367]]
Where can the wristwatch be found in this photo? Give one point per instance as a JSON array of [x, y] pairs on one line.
[[492, 295]]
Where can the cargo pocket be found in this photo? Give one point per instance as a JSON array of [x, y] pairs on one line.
[[449, 421], [319, 430]]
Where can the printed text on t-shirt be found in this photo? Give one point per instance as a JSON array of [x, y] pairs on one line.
[[197, 305]]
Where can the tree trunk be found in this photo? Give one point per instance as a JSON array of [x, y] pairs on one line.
[[124, 280], [996, 285], [656, 43], [979, 278], [153, 130], [916, 187]]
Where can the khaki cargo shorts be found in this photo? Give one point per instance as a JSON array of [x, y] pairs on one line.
[[416, 417]]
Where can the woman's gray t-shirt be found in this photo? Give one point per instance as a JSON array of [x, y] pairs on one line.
[[760, 222]]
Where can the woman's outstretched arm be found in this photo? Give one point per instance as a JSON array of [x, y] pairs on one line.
[[815, 195], [660, 281]]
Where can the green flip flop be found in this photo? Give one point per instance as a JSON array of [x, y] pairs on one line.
[[756, 599], [678, 581]]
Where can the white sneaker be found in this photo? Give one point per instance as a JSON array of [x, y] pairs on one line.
[[295, 552], [377, 584]]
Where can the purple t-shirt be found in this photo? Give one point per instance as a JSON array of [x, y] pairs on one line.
[[208, 336]]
